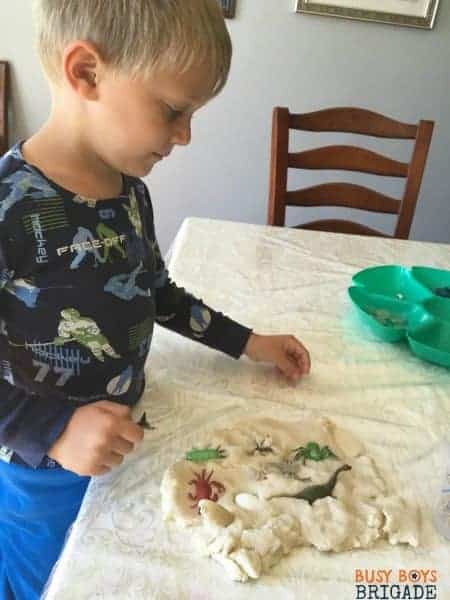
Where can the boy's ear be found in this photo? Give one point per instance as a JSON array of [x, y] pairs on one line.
[[82, 65]]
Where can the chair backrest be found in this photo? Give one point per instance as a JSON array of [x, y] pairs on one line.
[[3, 107], [346, 158]]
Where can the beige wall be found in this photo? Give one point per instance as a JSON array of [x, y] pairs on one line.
[[281, 58]]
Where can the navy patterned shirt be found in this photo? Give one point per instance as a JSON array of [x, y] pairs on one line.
[[82, 284]]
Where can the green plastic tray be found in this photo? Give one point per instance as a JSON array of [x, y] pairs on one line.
[[414, 304]]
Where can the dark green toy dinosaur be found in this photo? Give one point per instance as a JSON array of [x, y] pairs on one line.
[[315, 492]]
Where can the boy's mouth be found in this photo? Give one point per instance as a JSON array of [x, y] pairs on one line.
[[161, 156]]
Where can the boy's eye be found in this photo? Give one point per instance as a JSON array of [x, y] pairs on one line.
[[173, 113]]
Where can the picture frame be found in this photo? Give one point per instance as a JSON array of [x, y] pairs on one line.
[[229, 8], [415, 13]]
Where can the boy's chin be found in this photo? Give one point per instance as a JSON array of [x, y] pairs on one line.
[[139, 171], [143, 172], [144, 167]]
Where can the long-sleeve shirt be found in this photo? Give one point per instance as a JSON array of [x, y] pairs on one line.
[[82, 284]]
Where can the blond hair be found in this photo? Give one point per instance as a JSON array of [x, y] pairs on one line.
[[136, 36]]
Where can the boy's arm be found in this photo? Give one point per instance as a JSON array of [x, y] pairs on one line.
[[29, 425], [88, 440], [181, 312]]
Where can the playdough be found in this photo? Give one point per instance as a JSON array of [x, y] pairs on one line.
[[255, 491]]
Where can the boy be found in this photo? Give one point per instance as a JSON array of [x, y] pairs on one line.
[[81, 274]]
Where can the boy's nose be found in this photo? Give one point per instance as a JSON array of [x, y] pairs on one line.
[[182, 133]]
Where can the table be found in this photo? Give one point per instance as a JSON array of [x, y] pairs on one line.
[[276, 280]]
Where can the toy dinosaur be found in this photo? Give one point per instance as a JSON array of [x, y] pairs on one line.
[[315, 492], [144, 423]]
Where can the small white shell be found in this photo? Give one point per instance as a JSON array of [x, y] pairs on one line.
[[248, 501]]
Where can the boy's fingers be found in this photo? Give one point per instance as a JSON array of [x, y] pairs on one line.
[[131, 432], [99, 471], [121, 410], [122, 446], [301, 355], [112, 460], [306, 362], [289, 368]]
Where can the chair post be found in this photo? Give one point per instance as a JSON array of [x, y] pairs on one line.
[[4, 91], [278, 167], [415, 175]]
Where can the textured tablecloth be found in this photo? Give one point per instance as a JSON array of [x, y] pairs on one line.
[[276, 281]]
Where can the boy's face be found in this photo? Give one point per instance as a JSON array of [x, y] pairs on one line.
[[135, 123]]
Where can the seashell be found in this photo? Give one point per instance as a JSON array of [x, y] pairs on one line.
[[248, 501]]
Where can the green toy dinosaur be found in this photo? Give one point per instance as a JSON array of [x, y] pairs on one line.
[[315, 492]]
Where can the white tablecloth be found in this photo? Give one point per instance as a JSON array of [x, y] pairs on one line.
[[276, 281]]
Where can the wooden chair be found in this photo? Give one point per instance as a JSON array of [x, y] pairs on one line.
[[347, 158], [3, 107]]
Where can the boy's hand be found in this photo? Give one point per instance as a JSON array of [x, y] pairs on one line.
[[96, 438], [284, 351]]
